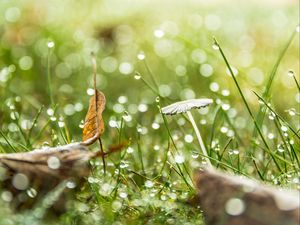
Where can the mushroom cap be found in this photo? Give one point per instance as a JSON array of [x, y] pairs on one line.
[[184, 106]]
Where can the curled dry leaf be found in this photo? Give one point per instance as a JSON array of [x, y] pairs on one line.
[[94, 125]]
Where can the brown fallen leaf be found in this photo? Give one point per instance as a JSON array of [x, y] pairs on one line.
[[94, 125]]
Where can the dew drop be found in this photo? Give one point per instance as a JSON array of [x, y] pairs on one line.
[[225, 107], [284, 128], [271, 116], [116, 205], [50, 112], [155, 126], [179, 159], [188, 138], [225, 92], [50, 44], [123, 195], [291, 73], [71, 184], [195, 154], [224, 129], [61, 123], [141, 56], [90, 91], [159, 33], [130, 150], [137, 76], [31, 192], [149, 184], [156, 147], [271, 136], [215, 46], [157, 99], [292, 112]]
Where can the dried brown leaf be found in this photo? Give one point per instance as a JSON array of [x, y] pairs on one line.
[[94, 125]]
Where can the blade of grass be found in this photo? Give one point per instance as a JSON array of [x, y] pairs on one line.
[[49, 76], [276, 114], [172, 140], [245, 102], [297, 83], [257, 170], [140, 152], [151, 74], [223, 151], [214, 124], [8, 142], [262, 110], [34, 124]]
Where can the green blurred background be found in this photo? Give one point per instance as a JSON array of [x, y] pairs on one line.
[[146, 49], [173, 39]]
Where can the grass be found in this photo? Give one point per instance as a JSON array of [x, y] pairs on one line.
[[146, 183]]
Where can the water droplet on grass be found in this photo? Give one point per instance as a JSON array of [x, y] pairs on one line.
[[214, 86], [155, 126], [123, 195], [159, 33], [50, 44], [137, 76], [31, 192], [156, 147], [179, 159], [71, 184], [271, 116], [188, 138], [141, 56], [284, 128], [290, 73], [195, 154], [292, 112], [50, 112], [90, 91], [271, 136], [130, 150], [149, 184], [225, 92], [224, 129], [61, 123], [215, 46], [157, 99]]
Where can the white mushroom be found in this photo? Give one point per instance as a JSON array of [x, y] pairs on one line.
[[185, 107]]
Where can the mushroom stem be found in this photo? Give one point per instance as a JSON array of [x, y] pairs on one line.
[[202, 146]]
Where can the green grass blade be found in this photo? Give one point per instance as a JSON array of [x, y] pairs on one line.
[[262, 110], [245, 102]]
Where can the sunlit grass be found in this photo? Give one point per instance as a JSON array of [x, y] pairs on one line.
[[145, 62]]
